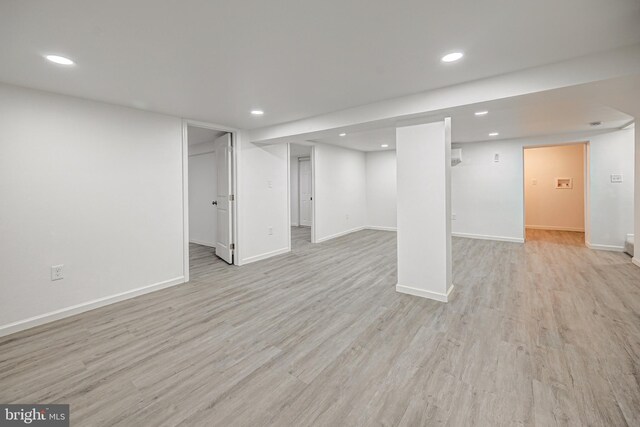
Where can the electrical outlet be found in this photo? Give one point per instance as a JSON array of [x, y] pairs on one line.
[[534, 182], [57, 272], [270, 184], [454, 217], [616, 177], [270, 231]]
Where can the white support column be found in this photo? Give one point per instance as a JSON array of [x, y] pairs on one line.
[[424, 210], [636, 197]]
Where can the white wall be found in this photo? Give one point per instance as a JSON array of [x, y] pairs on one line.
[[548, 207], [611, 205], [262, 202], [381, 189], [487, 197], [202, 192], [93, 186], [294, 191], [340, 191]]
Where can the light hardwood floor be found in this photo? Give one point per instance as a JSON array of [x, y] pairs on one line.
[[545, 333]]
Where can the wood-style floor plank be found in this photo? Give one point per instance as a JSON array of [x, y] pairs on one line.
[[542, 333]]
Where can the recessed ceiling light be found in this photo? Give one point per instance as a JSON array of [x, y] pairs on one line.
[[343, 134], [494, 134], [481, 113], [257, 112], [60, 60], [452, 57]]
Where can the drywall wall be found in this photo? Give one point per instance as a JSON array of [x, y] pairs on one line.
[[92, 186], [293, 180], [611, 204], [340, 191], [203, 215], [487, 196], [263, 203], [381, 184], [548, 207]]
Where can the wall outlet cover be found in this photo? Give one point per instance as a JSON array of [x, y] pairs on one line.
[[57, 272], [616, 177]]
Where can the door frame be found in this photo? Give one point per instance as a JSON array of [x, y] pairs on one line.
[[185, 187], [586, 157], [312, 159]]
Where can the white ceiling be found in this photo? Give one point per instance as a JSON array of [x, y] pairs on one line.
[[197, 135], [216, 60], [561, 111]]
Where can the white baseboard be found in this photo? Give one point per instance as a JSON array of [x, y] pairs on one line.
[[598, 247], [636, 261], [342, 233], [553, 228], [264, 256], [377, 227], [208, 244], [32, 322], [488, 237], [424, 294]]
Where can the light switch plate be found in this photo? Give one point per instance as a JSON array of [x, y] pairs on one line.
[[616, 177]]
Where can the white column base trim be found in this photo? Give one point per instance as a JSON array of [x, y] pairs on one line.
[[488, 237], [377, 227], [264, 256], [32, 322], [424, 294], [342, 233], [636, 261], [598, 247]]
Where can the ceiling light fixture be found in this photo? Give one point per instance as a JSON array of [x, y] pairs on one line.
[[257, 112], [494, 134], [481, 113], [343, 134], [452, 57], [384, 145], [60, 60]]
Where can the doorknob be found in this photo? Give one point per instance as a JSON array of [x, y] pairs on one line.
[[215, 202]]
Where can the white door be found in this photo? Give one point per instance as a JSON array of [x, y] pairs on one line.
[[224, 204], [304, 186]]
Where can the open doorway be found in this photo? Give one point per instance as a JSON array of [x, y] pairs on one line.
[[554, 193], [301, 195], [210, 198]]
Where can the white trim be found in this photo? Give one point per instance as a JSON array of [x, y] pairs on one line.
[[424, 294], [487, 237], [636, 261], [342, 233], [32, 322], [554, 228], [598, 247], [264, 256], [377, 227], [198, 242]]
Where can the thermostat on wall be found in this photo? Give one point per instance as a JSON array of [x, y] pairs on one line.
[[564, 183]]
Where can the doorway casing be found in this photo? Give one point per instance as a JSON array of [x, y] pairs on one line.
[[185, 187]]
